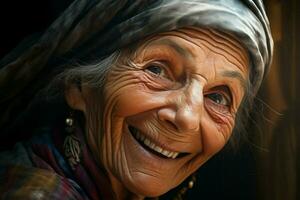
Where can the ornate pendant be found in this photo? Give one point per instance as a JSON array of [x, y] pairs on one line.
[[72, 150]]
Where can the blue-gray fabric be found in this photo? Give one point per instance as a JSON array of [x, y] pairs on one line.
[[89, 30]]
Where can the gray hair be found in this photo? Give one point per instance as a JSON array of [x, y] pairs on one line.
[[92, 76]]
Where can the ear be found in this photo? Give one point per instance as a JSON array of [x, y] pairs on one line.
[[75, 99]]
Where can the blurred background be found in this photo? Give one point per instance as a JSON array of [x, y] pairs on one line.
[[279, 164], [267, 166]]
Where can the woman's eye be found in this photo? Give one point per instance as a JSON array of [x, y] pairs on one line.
[[154, 69], [157, 70], [219, 98]]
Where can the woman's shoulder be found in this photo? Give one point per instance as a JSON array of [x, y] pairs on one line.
[[17, 156], [21, 153], [25, 174], [21, 182]]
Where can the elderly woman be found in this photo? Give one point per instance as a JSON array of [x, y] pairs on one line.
[[149, 91]]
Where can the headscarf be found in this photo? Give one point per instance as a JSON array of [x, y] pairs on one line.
[[90, 30]]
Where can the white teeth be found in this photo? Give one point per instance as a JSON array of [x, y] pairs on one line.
[[170, 154], [147, 142], [158, 149], [151, 145], [175, 155], [165, 152]]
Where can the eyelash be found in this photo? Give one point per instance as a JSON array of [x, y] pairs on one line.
[[156, 69], [153, 67], [223, 104]]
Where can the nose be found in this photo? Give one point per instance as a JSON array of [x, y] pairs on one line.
[[184, 109]]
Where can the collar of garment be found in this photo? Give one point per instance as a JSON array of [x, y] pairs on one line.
[[47, 153]]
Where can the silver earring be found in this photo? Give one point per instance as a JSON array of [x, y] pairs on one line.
[[72, 147]]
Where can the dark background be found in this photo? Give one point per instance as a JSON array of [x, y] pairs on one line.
[[20, 19], [264, 168]]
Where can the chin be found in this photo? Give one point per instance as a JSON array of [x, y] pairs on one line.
[[146, 187]]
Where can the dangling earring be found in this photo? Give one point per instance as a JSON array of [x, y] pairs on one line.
[[72, 148]]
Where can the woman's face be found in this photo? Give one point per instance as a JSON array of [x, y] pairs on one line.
[[171, 109]]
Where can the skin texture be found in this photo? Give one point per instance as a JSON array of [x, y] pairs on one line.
[[181, 90]]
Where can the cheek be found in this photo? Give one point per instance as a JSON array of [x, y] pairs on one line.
[[126, 98], [119, 92], [129, 91], [215, 135], [134, 100]]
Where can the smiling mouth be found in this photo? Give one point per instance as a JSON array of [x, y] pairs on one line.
[[153, 148]]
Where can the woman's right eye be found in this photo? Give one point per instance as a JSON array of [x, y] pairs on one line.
[[157, 70]]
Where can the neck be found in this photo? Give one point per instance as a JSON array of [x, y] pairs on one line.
[[122, 192]]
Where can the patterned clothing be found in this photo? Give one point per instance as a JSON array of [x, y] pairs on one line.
[[37, 169]]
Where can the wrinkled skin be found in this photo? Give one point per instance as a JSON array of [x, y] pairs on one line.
[[181, 92]]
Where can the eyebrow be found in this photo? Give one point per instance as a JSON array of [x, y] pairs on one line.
[[182, 51], [237, 75]]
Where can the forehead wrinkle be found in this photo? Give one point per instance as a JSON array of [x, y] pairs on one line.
[[216, 48], [222, 52], [228, 41], [142, 46], [233, 44], [174, 45]]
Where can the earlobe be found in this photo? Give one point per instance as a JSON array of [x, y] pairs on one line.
[[74, 97]]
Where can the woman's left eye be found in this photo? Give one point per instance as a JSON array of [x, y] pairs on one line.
[[219, 98]]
